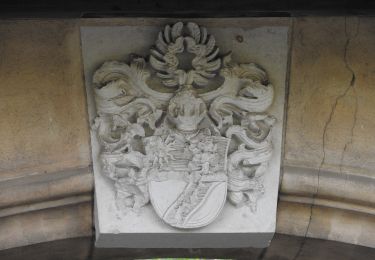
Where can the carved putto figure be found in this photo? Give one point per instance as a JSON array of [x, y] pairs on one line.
[[186, 131]]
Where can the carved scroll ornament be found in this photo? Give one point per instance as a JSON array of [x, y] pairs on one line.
[[190, 149]]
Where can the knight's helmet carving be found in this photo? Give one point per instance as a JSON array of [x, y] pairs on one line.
[[186, 111]]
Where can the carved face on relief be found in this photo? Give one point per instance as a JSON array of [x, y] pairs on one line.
[[186, 170]]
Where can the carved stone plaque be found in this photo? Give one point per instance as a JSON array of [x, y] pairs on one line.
[[186, 134]]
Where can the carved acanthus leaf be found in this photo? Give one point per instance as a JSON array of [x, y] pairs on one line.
[[170, 42], [253, 98]]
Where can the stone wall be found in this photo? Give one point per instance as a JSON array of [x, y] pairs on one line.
[[45, 177], [329, 161], [328, 183]]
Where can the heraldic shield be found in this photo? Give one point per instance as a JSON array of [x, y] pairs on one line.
[[190, 190]]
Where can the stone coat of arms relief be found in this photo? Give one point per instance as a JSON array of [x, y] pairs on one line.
[[186, 129]]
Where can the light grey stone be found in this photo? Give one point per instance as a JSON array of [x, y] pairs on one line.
[[240, 223]]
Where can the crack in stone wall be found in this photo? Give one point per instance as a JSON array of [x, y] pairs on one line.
[[351, 86]]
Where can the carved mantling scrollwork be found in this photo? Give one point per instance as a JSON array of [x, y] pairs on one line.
[[215, 142]]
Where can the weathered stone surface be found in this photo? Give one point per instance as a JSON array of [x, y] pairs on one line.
[[331, 98], [328, 183], [45, 179], [306, 220], [43, 126], [45, 187], [45, 225]]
